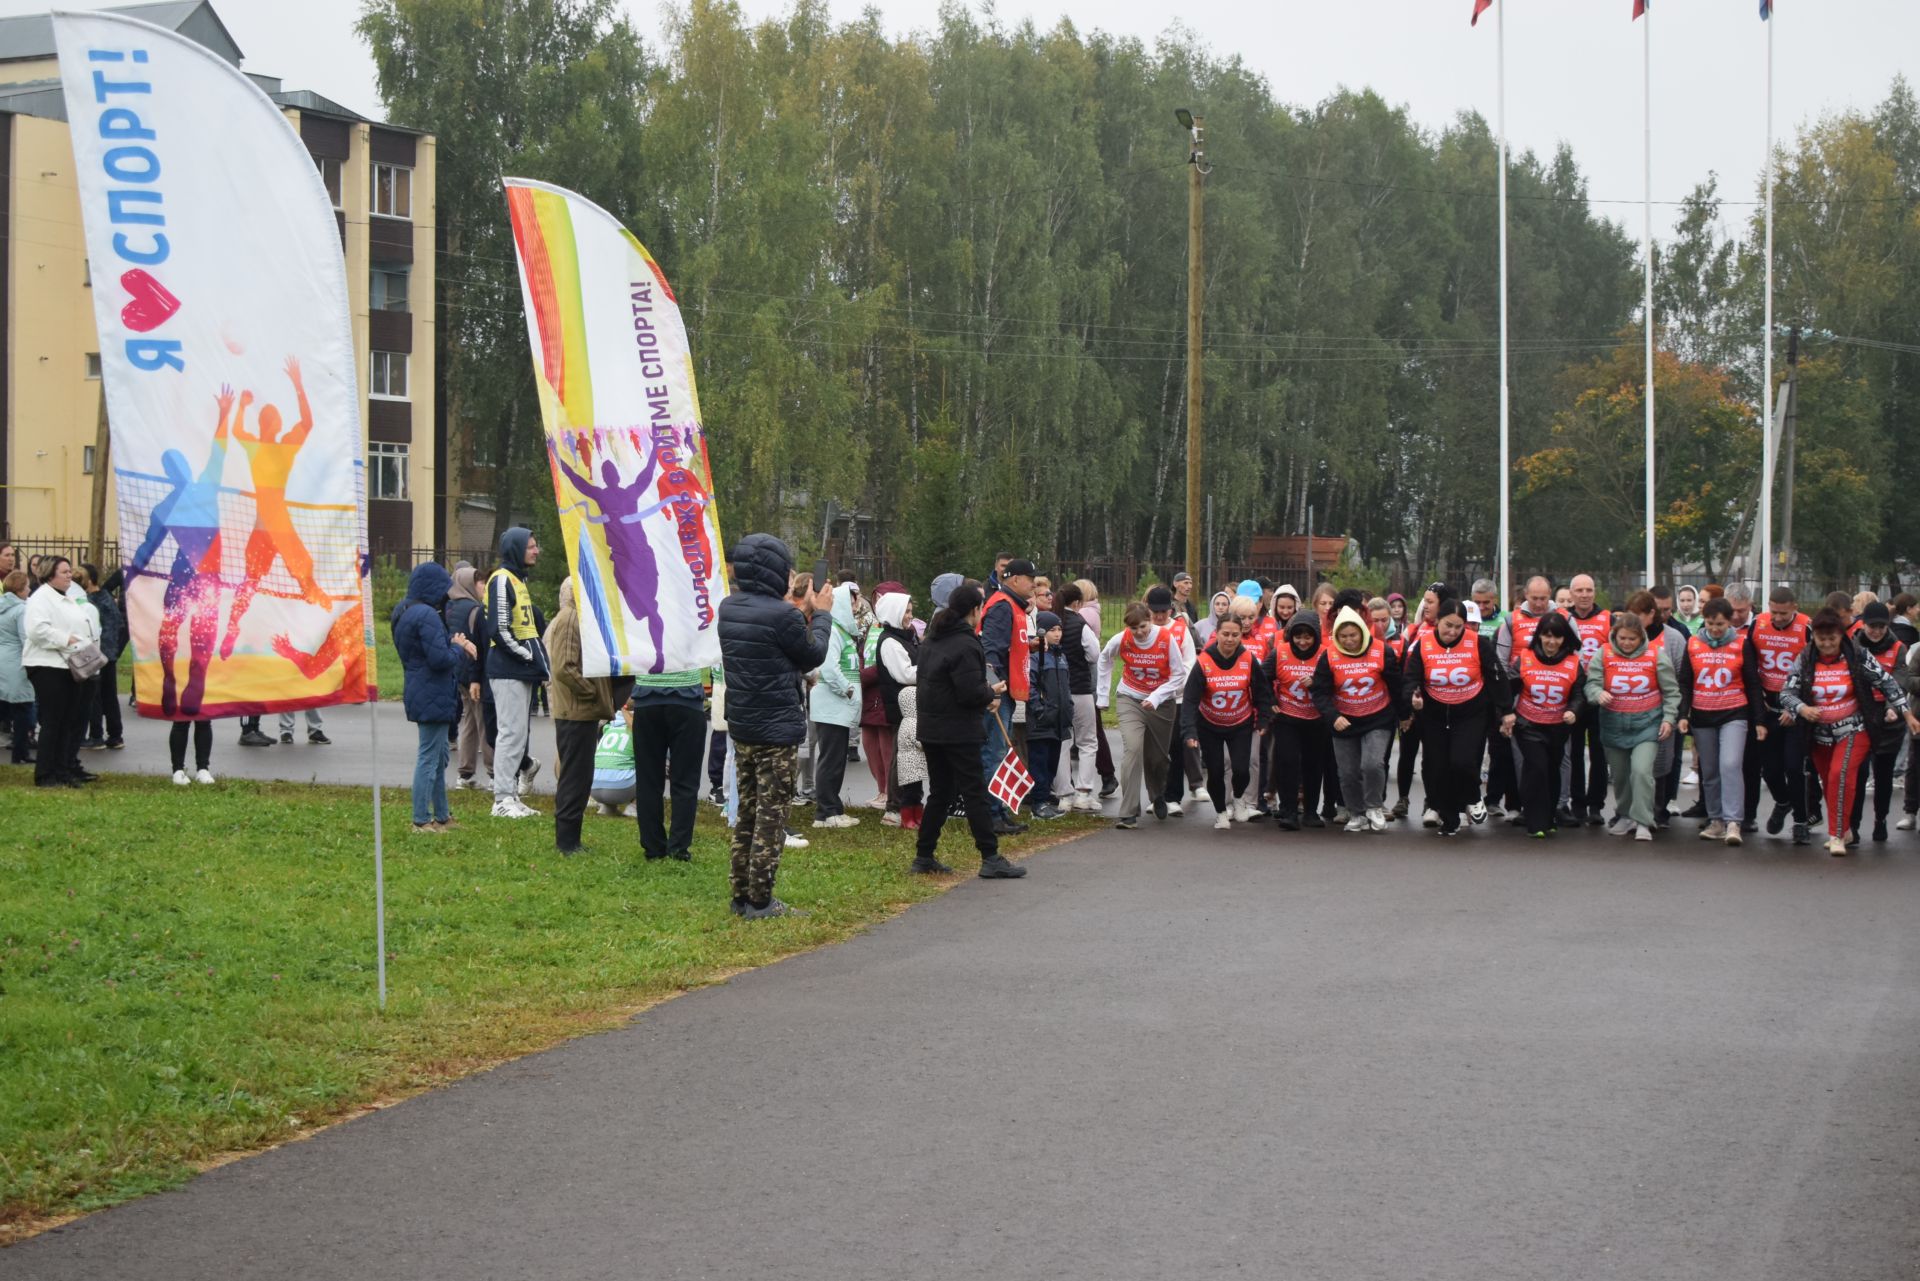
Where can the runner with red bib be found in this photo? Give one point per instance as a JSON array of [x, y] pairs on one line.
[[1548, 694], [1300, 742], [1832, 690], [1720, 694], [1229, 700], [1455, 685], [1182, 765], [1778, 638], [1357, 689], [1878, 641], [1633, 682], [1587, 758], [1153, 673]]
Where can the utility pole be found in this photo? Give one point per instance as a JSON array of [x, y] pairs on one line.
[[1196, 298], [102, 471], [1793, 412]]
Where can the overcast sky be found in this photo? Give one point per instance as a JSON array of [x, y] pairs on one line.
[[1573, 66]]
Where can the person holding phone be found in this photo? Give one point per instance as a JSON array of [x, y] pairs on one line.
[[767, 645]]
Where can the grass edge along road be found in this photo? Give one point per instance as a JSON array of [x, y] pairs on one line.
[[187, 974]]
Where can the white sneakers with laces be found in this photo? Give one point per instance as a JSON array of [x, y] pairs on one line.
[[513, 807], [1377, 819], [1222, 821], [1428, 818], [203, 776], [1358, 823], [180, 779]]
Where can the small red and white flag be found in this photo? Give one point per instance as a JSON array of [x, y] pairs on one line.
[[1010, 783], [1479, 7]]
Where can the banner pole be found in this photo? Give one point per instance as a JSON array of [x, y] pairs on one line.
[[379, 860], [1766, 380], [1506, 462], [1646, 53]]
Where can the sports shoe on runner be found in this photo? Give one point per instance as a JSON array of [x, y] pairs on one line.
[[286, 738], [1733, 835], [1175, 809], [203, 776], [1377, 819], [1641, 833], [511, 807], [1358, 823], [1836, 847], [795, 841], [1714, 831], [180, 779], [1620, 827], [837, 821], [1905, 824], [1428, 818], [1222, 821]]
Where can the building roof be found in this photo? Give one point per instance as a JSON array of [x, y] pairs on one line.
[[31, 35]]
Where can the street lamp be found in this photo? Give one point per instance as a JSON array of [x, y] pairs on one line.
[[1196, 289]]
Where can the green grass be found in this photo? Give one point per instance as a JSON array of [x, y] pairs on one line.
[[189, 972]]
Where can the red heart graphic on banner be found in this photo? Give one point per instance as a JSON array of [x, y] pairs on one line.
[[149, 304]]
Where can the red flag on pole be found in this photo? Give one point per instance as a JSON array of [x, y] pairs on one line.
[[1011, 782], [1639, 8], [1479, 7]]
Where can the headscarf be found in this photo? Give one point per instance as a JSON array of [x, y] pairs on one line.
[[464, 578], [891, 609]]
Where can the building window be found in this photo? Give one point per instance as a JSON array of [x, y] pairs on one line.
[[330, 178], [393, 191], [483, 446], [86, 272], [93, 365], [387, 288], [388, 377], [387, 470], [86, 460]]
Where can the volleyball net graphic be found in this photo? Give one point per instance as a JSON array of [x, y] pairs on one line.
[[331, 533]]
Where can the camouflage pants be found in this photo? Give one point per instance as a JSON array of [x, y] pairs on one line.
[[764, 775]]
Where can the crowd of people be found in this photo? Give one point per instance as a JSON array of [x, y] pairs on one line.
[[1267, 706]]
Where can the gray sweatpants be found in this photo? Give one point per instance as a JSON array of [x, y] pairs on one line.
[[1362, 761], [1721, 751], [1146, 734], [513, 713]]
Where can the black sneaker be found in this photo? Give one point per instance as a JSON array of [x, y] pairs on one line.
[[998, 869], [929, 867], [1311, 819], [1047, 812], [1159, 809], [1815, 815], [1879, 829], [1004, 826], [568, 851], [116, 744], [254, 738], [1288, 821], [681, 856], [1802, 833], [717, 797], [1778, 820], [1567, 818], [1108, 786], [1696, 810], [94, 745], [738, 907], [1126, 825], [286, 738], [317, 737], [772, 907], [1402, 807]]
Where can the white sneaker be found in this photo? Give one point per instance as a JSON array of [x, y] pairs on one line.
[[1341, 814], [877, 801], [629, 811], [180, 779], [1477, 812], [1195, 796], [1173, 807], [1690, 779], [1377, 820], [1836, 846], [203, 776], [1641, 834], [837, 821], [891, 819], [511, 807], [602, 808], [795, 841], [1620, 827], [1904, 825], [1242, 812], [1429, 819], [1222, 821], [1358, 823], [1089, 803]]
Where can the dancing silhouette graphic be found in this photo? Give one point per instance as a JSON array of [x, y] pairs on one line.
[[635, 570], [191, 513], [271, 457]]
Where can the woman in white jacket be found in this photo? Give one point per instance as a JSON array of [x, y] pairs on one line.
[[55, 628]]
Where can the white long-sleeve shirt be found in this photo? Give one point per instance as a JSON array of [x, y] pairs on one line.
[[893, 657], [1169, 691]]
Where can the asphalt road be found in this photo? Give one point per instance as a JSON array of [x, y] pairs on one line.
[[1172, 1054]]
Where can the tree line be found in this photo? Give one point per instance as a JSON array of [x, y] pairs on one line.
[[941, 279]]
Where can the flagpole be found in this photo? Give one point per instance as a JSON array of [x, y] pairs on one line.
[[1646, 47], [1506, 465], [379, 852], [1766, 381]]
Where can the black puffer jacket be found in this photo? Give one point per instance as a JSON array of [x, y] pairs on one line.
[[765, 646], [952, 684]]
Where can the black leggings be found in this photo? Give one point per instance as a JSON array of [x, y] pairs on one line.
[[1455, 741], [1409, 759], [953, 770], [1301, 755], [1218, 747], [202, 744], [58, 695], [1541, 748], [1886, 751]]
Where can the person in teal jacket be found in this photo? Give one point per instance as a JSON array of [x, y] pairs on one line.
[[834, 707]]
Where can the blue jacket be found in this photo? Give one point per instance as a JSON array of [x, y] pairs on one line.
[[766, 645], [427, 656]]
